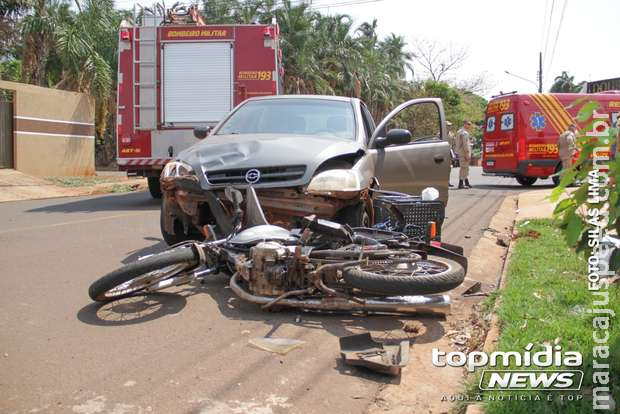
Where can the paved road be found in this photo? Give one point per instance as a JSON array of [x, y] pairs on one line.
[[178, 352]]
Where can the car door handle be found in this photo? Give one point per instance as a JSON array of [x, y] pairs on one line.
[[439, 159]]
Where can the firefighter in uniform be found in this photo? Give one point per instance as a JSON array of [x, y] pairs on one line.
[[567, 146], [462, 146], [451, 139]]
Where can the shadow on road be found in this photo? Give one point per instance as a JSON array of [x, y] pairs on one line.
[[390, 329], [116, 202], [133, 310], [158, 247]]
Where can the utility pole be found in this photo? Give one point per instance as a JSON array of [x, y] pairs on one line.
[[540, 73]]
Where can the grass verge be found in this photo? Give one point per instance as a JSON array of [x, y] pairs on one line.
[[73, 182], [545, 302]]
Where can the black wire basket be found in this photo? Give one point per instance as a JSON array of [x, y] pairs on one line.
[[407, 213]]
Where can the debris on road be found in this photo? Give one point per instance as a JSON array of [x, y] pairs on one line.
[[362, 350], [413, 327], [280, 346], [503, 239], [475, 288]]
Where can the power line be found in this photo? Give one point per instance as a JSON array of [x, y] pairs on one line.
[[542, 30], [557, 35], [548, 30]]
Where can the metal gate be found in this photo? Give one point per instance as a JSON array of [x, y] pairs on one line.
[[6, 129]]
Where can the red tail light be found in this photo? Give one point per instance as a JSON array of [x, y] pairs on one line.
[[125, 35]]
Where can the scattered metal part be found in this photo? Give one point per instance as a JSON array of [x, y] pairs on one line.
[[475, 288], [280, 346], [362, 350], [476, 294]]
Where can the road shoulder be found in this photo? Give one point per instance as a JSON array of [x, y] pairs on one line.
[[429, 389]]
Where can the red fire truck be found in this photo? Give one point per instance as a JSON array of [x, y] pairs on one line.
[[175, 74], [521, 132]]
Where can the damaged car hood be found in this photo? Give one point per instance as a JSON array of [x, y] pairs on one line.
[[234, 155]]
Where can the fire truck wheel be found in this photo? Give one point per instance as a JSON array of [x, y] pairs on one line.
[[526, 181], [154, 187]]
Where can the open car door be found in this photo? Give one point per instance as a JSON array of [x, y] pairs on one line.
[[410, 150]]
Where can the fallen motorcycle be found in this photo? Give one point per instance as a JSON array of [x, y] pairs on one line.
[[321, 266]]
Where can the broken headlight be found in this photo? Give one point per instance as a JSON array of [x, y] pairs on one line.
[[177, 169], [335, 180]]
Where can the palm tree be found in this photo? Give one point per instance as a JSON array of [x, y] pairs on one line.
[[565, 83], [87, 48], [10, 12], [38, 31], [399, 60]]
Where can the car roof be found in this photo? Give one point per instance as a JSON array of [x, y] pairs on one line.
[[308, 97]]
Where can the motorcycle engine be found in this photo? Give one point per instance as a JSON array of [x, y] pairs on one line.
[[275, 270]]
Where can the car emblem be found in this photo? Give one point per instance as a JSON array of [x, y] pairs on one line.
[[252, 176]]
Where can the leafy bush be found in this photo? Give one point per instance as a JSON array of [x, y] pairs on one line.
[[592, 209]]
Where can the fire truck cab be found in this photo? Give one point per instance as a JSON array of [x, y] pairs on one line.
[[521, 132], [176, 74]]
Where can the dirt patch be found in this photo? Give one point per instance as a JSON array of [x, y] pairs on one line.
[[425, 388], [17, 186], [532, 234]]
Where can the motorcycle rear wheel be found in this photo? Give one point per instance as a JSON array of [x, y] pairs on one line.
[[144, 274], [422, 277]]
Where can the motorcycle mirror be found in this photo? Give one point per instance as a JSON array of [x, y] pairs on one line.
[[233, 195]]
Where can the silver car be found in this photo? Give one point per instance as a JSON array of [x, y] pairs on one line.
[[305, 155]]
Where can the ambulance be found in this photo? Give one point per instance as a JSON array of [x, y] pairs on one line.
[[175, 74], [521, 132]]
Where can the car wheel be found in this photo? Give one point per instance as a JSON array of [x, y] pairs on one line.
[[526, 181], [179, 234], [154, 187], [355, 216]]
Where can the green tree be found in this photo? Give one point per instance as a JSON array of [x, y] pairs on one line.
[[38, 30], [565, 83], [10, 12], [594, 207]]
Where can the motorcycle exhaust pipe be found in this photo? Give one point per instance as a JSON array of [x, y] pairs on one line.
[[423, 304]]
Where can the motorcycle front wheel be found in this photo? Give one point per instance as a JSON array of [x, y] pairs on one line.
[[150, 273], [406, 277]]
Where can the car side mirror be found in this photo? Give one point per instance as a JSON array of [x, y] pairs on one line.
[[395, 136], [202, 132]]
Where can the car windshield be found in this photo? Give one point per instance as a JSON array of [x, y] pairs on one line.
[[321, 117]]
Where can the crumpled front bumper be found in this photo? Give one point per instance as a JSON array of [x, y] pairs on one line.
[[184, 198]]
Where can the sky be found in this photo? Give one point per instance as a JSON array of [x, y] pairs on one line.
[[501, 35]]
